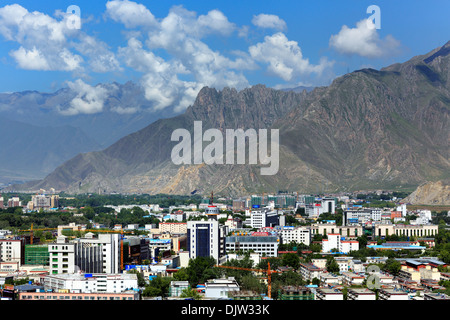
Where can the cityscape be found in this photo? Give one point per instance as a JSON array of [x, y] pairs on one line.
[[286, 246]]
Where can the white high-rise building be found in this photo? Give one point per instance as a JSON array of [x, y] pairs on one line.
[[206, 238], [110, 249], [263, 218]]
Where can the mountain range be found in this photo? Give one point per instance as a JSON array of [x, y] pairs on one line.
[[369, 129]]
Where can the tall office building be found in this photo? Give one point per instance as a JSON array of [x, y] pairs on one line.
[[206, 238]]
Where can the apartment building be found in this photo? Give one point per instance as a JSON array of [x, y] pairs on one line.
[[11, 251], [69, 257], [173, 227], [91, 283], [295, 234], [309, 271]]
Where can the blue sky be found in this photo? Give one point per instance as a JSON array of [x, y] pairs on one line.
[[173, 48]]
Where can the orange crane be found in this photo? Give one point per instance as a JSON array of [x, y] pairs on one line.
[[268, 271], [31, 231]]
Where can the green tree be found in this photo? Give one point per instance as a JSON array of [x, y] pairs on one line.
[[331, 265], [291, 260], [201, 269], [392, 266], [190, 293]]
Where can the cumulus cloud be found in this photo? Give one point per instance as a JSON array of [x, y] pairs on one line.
[[49, 44], [284, 58], [130, 14], [88, 99], [364, 41], [269, 21], [180, 34]]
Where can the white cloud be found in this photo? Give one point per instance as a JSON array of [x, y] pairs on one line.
[[269, 21], [88, 99], [284, 58], [50, 44], [130, 14], [363, 41]]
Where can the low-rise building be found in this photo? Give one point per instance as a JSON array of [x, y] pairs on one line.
[[360, 294], [78, 296], [177, 288], [91, 283], [219, 288], [309, 271], [351, 278], [392, 294], [295, 293], [329, 294]]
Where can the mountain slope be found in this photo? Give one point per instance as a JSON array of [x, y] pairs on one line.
[[369, 129], [30, 151]]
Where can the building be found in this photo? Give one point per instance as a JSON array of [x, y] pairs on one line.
[[338, 243], [419, 231], [71, 296], [329, 294], [295, 234], [219, 288], [206, 238], [351, 278], [435, 296], [14, 202], [36, 255], [392, 294], [360, 294], [173, 227], [110, 244], [361, 216], [43, 202], [261, 243], [177, 288], [91, 283], [11, 250], [323, 229], [71, 227], [263, 218], [309, 271], [137, 249], [328, 279], [295, 293], [157, 246], [70, 257]]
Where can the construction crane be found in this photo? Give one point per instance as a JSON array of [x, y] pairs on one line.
[[31, 231], [268, 271]]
